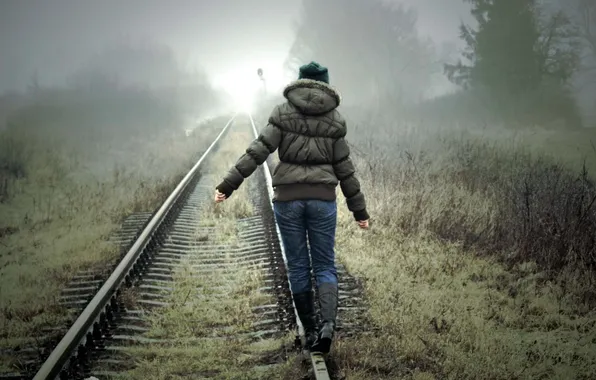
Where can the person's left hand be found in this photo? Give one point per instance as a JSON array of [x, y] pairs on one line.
[[219, 197]]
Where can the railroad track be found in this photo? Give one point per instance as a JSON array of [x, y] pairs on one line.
[[90, 347], [155, 247]]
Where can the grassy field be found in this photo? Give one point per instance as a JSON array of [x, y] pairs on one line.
[[478, 264], [58, 205], [479, 261], [209, 316]]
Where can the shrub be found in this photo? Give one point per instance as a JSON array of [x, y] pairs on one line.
[[490, 196]]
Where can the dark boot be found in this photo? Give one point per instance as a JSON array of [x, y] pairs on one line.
[[328, 301], [306, 312]]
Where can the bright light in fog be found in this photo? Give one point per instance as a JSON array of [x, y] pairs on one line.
[[242, 86], [245, 87]]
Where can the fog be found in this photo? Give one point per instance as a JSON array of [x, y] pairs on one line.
[[52, 43], [51, 39]]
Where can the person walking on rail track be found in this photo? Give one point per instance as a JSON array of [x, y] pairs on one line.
[[314, 158]]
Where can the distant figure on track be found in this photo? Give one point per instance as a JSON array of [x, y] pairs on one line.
[[314, 159]]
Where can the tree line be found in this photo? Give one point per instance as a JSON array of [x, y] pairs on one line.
[[519, 54]]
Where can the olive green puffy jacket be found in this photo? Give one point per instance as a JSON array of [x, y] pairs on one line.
[[313, 152]]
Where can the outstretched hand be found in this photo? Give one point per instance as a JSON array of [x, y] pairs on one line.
[[363, 224], [219, 197]]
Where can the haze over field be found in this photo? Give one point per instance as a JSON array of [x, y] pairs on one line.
[[45, 42], [231, 37]]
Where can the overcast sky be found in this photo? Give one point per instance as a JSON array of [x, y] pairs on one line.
[[56, 36]]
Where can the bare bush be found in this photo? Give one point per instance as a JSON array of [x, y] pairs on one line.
[[14, 158], [543, 212], [14, 154], [490, 196]]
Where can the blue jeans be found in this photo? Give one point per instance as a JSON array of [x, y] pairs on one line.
[[311, 221]]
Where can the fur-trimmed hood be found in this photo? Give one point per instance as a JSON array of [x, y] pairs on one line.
[[312, 97]]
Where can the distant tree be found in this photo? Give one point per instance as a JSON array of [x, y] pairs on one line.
[[587, 10], [33, 87], [558, 47], [587, 79], [372, 49], [515, 48]]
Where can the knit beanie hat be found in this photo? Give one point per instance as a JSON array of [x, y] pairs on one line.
[[314, 71]]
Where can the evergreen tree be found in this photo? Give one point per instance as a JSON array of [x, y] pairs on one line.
[[514, 49]]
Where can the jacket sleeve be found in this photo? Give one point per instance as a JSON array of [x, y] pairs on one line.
[[346, 174], [255, 155]]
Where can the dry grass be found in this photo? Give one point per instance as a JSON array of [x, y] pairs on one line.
[[57, 214], [449, 302], [210, 316], [206, 358], [455, 315], [208, 319], [224, 215]]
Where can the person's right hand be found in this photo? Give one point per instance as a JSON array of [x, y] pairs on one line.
[[219, 197], [363, 224]]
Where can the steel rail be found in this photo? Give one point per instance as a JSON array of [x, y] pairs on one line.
[[316, 358], [78, 332]]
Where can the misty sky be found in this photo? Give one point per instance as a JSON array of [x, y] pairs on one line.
[[55, 37]]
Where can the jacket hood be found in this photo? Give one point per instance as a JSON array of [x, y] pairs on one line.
[[312, 97]]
